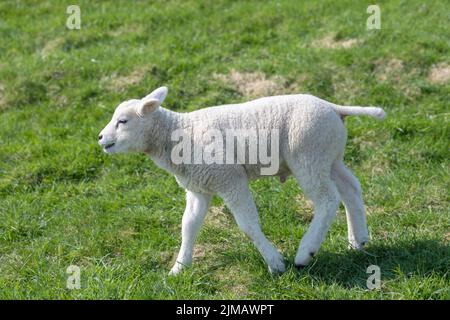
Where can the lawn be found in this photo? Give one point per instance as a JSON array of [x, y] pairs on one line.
[[64, 202]]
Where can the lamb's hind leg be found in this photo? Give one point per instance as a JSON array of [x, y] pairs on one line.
[[194, 214], [351, 195], [323, 192], [241, 204]]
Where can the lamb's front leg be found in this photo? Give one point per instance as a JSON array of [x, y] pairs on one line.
[[241, 204], [194, 214]]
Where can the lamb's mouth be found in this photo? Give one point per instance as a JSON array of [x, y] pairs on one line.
[[109, 145]]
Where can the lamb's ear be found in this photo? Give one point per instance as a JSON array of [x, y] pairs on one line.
[[159, 94], [146, 107]]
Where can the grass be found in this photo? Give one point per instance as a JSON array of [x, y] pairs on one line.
[[64, 202]]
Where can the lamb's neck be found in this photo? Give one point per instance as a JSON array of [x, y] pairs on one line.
[[158, 143]]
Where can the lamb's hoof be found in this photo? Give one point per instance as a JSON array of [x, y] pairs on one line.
[[176, 270], [357, 245], [173, 272], [304, 257], [301, 266], [277, 266], [276, 270]]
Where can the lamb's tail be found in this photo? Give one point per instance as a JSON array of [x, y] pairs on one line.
[[375, 112]]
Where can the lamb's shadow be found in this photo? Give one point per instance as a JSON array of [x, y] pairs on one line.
[[419, 258]]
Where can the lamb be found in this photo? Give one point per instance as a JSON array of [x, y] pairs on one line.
[[310, 137]]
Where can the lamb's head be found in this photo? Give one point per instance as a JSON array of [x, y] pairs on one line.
[[125, 131]]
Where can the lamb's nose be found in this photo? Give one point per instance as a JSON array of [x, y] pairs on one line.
[[100, 137]]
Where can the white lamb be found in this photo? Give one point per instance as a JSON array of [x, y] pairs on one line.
[[312, 139]]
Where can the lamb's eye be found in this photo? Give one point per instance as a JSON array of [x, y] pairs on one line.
[[120, 121]]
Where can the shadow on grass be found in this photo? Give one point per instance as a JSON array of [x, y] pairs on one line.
[[418, 258]]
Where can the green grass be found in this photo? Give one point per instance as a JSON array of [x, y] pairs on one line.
[[64, 202]]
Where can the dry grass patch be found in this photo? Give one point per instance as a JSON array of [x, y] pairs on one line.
[[330, 42], [391, 69], [439, 73], [203, 250], [51, 47], [377, 166], [125, 30], [218, 218], [2, 95], [120, 83], [168, 257], [62, 100], [374, 210], [306, 207], [127, 234], [372, 139], [346, 88], [434, 197], [254, 84], [234, 280], [10, 263], [447, 237]]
